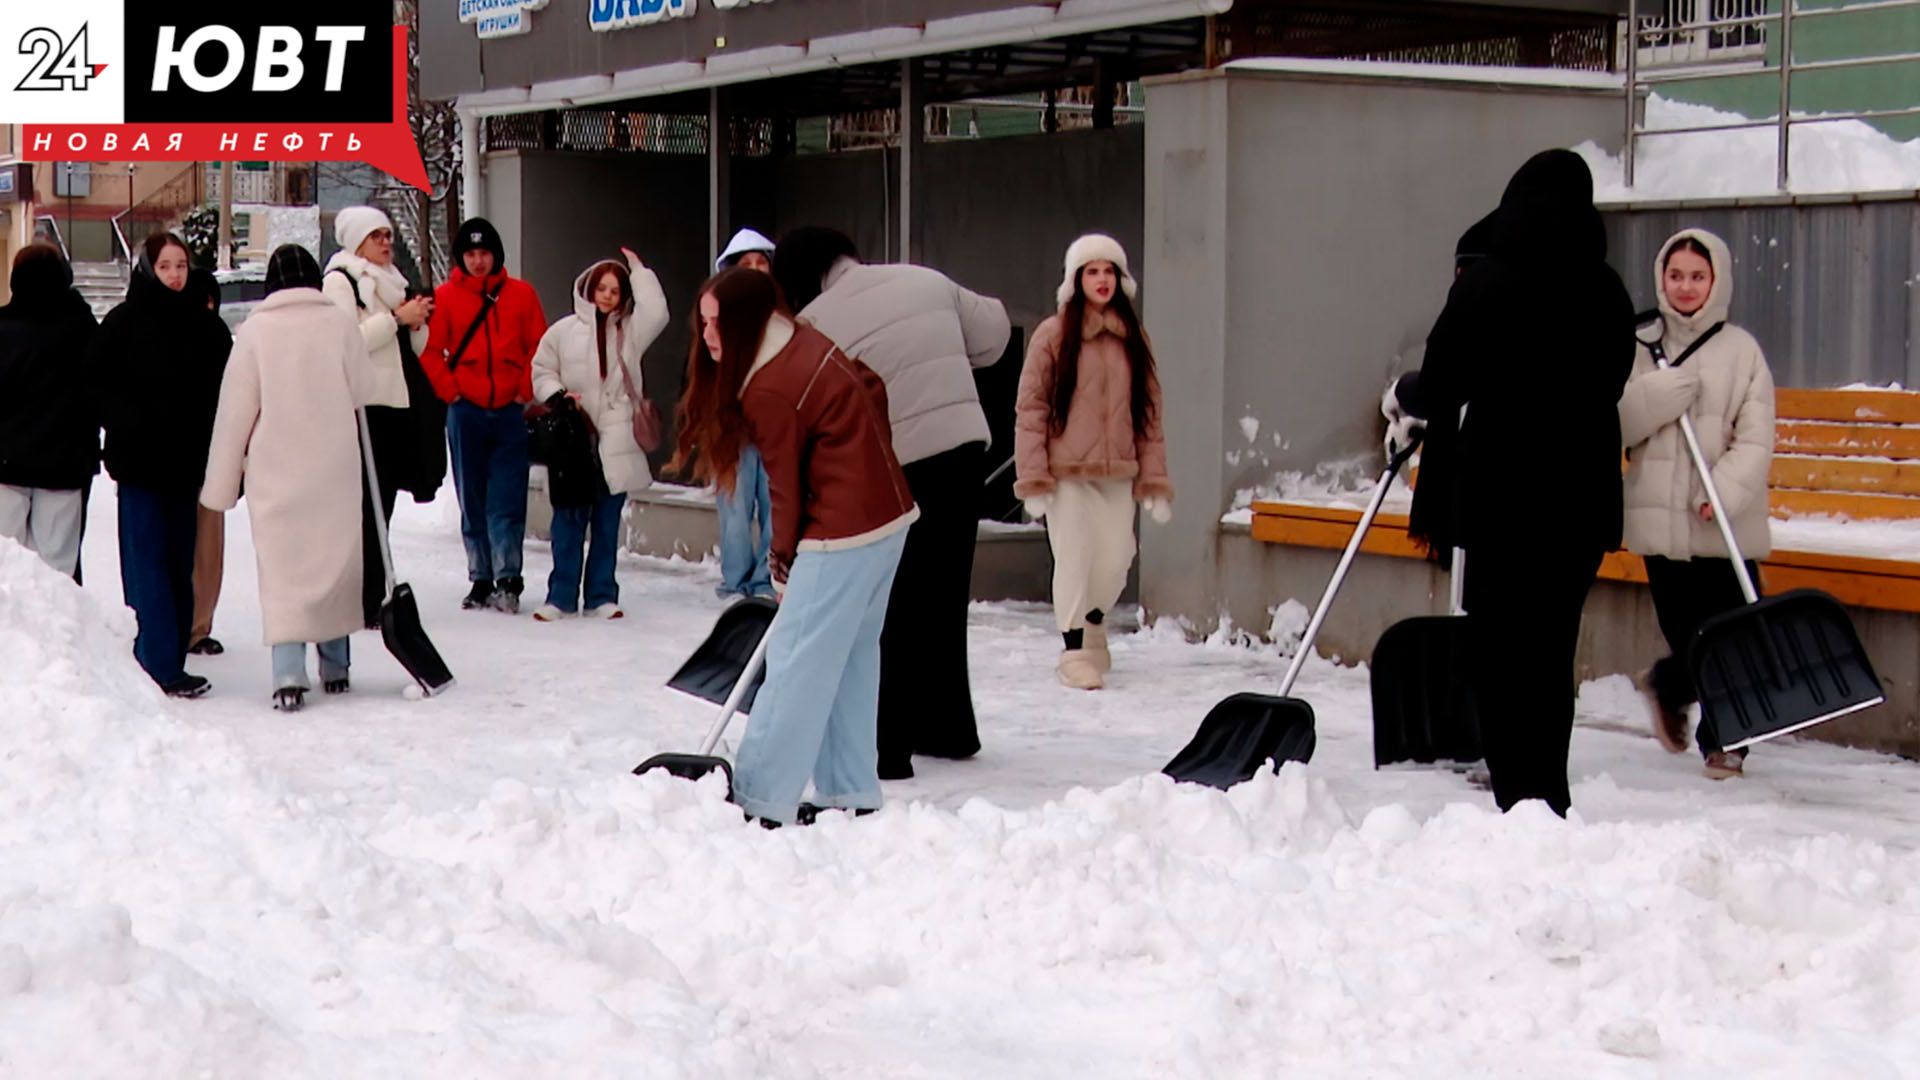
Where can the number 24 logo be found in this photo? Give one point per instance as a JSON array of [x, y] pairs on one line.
[[57, 64]]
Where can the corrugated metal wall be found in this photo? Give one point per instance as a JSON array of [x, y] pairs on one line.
[[1831, 290]]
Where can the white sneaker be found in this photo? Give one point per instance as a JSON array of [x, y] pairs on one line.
[[606, 611], [548, 613], [1077, 670]]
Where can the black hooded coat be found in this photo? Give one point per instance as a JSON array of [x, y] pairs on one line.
[[49, 428], [1537, 341], [158, 360]]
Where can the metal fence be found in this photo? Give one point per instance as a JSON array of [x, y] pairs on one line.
[[1829, 286], [1736, 24]]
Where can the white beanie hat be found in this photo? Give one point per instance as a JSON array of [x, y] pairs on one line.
[[352, 226], [743, 241], [1095, 247]]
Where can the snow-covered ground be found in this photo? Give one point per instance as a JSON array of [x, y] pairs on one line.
[[475, 886]]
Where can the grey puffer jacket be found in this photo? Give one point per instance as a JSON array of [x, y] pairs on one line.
[[923, 335], [1733, 413]]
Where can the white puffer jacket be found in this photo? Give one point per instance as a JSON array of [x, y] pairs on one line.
[[569, 360], [381, 290], [923, 335], [1733, 413]]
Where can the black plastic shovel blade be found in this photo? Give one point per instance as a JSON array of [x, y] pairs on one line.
[[1240, 736], [716, 665], [686, 766], [406, 638], [1422, 701], [1781, 665]]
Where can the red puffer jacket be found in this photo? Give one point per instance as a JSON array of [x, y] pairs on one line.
[[497, 367]]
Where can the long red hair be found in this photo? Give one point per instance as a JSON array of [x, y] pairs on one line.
[[713, 430]]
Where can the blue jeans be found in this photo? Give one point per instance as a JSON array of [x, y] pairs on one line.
[[157, 530], [596, 528], [743, 555], [489, 451], [817, 712], [290, 662]]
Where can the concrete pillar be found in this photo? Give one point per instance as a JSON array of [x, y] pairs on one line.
[[913, 131], [1184, 289], [719, 170], [473, 192]]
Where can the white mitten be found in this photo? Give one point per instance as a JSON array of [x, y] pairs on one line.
[[1402, 426], [1157, 508], [1038, 505]]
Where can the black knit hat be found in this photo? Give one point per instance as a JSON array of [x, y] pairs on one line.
[[480, 233], [292, 267]]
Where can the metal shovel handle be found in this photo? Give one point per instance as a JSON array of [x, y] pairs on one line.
[[373, 498], [1380, 486], [739, 691], [1713, 490]]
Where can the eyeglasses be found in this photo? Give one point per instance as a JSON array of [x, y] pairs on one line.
[[384, 235]]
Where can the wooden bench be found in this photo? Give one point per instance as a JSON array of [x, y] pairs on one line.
[[1850, 453]]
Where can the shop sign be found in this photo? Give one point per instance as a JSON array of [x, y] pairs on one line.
[[499, 18], [620, 14]]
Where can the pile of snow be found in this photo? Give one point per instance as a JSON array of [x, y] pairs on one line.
[[473, 886], [1836, 156]]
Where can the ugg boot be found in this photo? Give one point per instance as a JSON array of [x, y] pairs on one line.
[[1096, 648], [1078, 670]]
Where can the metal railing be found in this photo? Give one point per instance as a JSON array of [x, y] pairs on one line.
[[51, 226], [1642, 30]]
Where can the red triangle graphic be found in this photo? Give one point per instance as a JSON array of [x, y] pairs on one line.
[[97, 69]]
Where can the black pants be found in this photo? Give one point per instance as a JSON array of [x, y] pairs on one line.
[[1523, 629], [926, 702], [156, 575], [1686, 593]]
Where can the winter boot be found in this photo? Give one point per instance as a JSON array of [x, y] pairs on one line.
[[337, 686], [548, 613], [289, 699], [1726, 764], [187, 686], [207, 646], [1669, 724], [506, 595], [477, 596], [1096, 648], [1078, 670]]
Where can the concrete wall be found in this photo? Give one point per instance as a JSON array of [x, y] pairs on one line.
[[1300, 233], [1618, 633], [997, 216]]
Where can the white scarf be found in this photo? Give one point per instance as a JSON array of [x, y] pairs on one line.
[[389, 284]]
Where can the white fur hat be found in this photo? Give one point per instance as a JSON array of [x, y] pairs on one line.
[[1095, 247], [352, 226]]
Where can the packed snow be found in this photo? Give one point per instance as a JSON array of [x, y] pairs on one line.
[[474, 885], [1825, 157]]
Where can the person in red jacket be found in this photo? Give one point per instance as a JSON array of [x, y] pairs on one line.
[[480, 343]]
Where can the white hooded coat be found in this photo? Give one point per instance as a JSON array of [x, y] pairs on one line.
[[1733, 414], [569, 360], [287, 427]]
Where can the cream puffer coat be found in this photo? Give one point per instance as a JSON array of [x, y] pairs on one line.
[[569, 360], [1098, 440], [379, 290], [1732, 411]]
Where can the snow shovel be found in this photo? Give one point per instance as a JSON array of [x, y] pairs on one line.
[[1241, 734], [1422, 702], [400, 626], [745, 684], [719, 663], [1778, 665]]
